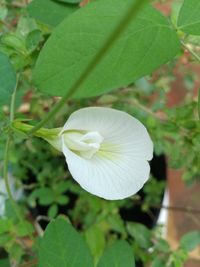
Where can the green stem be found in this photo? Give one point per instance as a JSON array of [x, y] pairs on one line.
[[5, 172], [6, 180], [131, 13], [49, 135], [6, 161], [191, 51], [12, 105], [198, 104]]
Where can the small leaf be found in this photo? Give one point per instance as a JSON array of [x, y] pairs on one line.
[[7, 79], [96, 240], [162, 245], [62, 200], [190, 240], [189, 17], [146, 44], [50, 12], [24, 229], [140, 233], [33, 39], [45, 196], [120, 254], [63, 246], [53, 211], [158, 263], [5, 225]]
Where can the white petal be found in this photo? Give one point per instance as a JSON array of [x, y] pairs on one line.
[[110, 179], [121, 166], [116, 127]]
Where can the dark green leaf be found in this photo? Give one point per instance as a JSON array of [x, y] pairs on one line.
[[50, 12], [4, 263], [63, 246], [190, 240], [148, 42], [7, 79], [120, 255], [189, 17]]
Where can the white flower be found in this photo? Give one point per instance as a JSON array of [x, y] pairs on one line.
[[107, 151]]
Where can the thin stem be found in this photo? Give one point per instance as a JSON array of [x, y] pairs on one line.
[[191, 51], [5, 172], [6, 180], [6, 161], [135, 102], [199, 103], [131, 13], [12, 105]]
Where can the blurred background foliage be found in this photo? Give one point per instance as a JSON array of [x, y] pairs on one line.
[[49, 191]]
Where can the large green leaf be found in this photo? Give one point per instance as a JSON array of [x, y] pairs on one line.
[[189, 17], [63, 246], [50, 12], [148, 42], [120, 255], [7, 79]]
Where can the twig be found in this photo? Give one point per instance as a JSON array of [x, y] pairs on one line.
[[191, 51]]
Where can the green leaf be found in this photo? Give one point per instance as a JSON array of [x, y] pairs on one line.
[[158, 263], [53, 211], [148, 42], [119, 255], [70, 1], [5, 225], [96, 240], [189, 17], [63, 246], [24, 229], [62, 200], [8, 79], [140, 233], [4, 263], [33, 39], [45, 195], [50, 12], [190, 240]]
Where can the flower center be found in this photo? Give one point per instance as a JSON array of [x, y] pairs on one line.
[[83, 144]]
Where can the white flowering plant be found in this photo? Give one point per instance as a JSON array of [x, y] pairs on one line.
[[84, 108]]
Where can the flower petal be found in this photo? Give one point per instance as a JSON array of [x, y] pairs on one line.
[[116, 127], [120, 168], [111, 179]]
